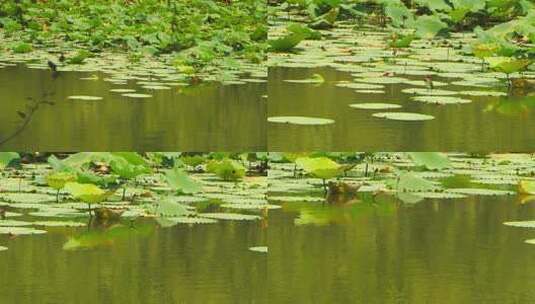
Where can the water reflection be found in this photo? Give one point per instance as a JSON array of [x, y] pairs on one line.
[[437, 251], [203, 118], [139, 264], [485, 124]]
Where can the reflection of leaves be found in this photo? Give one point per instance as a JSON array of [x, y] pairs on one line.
[[106, 237]]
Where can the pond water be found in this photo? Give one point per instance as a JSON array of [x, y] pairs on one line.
[[139, 264], [201, 118], [486, 124], [438, 251]]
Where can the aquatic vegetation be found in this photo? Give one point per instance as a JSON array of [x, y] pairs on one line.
[[300, 120], [197, 34]]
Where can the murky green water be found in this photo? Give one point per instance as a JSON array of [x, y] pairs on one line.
[[485, 124], [203, 118], [143, 264], [438, 251]]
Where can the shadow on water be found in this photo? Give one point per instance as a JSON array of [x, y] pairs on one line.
[[438, 251], [207, 117], [141, 263], [485, 124]]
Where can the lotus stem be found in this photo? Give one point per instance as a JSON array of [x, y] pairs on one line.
[[124, 193], [57, 196], [90, 215], [324, 186]]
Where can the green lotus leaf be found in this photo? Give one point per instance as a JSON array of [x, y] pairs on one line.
[[87, 193], [320, 167], [226, 169], [431, 160], [58, 180], [180, 181], [508, 65]]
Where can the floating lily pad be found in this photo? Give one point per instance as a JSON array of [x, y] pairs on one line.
[[300, 120], [483, 93], [429, 92], [191, 220], [250, 206], [480, 191], [20, 230], [156, 87], [2, 248], [404, 116], [375, 106], [59, 224], [32, 198], [230, 216], [522, 224], [84, 97], [261, 249], [532, 241], [136, 95], [441, 195], [441, 99], [14, 223], [360, 86], [122, 90]]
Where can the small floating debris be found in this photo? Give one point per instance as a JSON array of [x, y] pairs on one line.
[[261, 249], [84, 97], [300, 120], [375, 106], [404, 116]]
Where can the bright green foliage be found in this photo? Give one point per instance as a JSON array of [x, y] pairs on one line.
[[87, 193], [428, 26], [207, 28], [508, 65], [526, 187], [286, 43], [181, 182], [7, 157], [320, 167], [57, 180], [22, 47], [226, 169], [125, 169]]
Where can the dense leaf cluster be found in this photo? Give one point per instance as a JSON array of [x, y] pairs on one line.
[[204, 29]]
